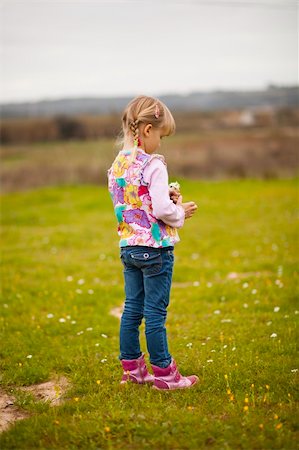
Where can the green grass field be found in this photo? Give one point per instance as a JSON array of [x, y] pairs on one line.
[[232, 320]]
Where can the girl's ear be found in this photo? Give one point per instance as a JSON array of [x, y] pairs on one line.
[[147, 129]]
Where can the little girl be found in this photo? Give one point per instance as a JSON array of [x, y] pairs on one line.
[[148, 220]]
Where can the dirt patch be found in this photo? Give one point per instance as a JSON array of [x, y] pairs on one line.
[[117, 312], [49, 391], [52, 391], [8, 412]]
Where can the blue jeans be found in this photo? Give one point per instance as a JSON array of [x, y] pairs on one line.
[[148, 275]]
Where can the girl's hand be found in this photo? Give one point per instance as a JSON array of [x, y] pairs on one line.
[[189, 207]]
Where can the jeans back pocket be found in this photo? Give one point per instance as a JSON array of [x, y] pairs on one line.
[[149, 261]]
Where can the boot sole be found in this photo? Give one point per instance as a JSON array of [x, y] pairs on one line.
[[175, 388]]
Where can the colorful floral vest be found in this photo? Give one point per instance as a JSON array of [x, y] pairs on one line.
[[133, 205]]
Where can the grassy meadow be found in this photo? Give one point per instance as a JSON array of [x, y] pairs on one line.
[[232, 320]]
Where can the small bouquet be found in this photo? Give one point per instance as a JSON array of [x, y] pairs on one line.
[[174, 191]]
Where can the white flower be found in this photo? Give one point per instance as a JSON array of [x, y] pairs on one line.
[[245, 305], [203, 343], [89, 329], [73, 322], [103, 360], [209, 360], [225, 346], [208, 338], [50, 316], [286, 316], [254, 291], [196, 283], [213, 351], [104, 335], [217, 311], [296, 312], [79, 291], [81, 281], [209, 284], [235, 254], [294, 370], [269, 323], [90, 291], [273, 335], [226, 320], [79, 333], [245, 285], [189, 345], [62, 320], [276, 309], [256, 302], [96, 280], [69, 278], [233, 349], [223, 298], [29, 356], [68, 317], [97, 344]]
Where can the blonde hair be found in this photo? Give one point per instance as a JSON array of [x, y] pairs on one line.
[[144, 109]]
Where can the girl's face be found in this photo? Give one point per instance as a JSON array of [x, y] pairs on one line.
[[150, 138]]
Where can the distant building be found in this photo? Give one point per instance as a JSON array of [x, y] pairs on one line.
[[247, 118]]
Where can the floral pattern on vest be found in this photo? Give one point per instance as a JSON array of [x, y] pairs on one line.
[[133, 205]]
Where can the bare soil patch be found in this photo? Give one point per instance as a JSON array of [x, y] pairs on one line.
[[52, 391], [117, 312]]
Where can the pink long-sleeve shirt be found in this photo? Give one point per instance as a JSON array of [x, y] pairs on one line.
[[156, 175]]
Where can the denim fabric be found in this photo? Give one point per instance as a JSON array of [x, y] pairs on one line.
[[148, 275]]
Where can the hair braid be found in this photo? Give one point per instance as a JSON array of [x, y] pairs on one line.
[[135, 130]]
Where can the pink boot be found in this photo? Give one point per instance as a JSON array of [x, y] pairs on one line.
[[135, 370], [169, 378]]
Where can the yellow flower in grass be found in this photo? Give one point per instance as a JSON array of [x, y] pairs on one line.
[[261, 426], [232, 398], [107, 429], [275, 416], [225, 376], [278, 426], [98, 381], [228, 392], [76, 399], [245, 408]]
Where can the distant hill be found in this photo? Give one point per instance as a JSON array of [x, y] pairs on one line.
[[271, 97]]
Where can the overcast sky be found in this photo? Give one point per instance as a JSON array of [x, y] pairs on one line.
[[53, 49]]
